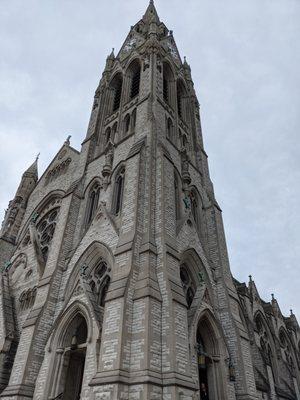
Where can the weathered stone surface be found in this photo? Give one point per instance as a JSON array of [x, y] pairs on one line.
[[115, 278]]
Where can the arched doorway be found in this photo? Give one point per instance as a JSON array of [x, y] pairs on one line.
[[210, 362], [70, 361], [204, 363]]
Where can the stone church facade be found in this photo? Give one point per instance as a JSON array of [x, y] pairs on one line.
[[115, 279]]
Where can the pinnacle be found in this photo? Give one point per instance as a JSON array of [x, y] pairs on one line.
[[33, 169], [112, 54], [151, 13]]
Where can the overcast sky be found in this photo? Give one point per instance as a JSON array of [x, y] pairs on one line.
[[244, 57]]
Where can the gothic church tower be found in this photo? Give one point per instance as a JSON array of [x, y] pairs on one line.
[[116, 282]]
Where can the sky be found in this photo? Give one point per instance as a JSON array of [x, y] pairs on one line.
[[245, 60]]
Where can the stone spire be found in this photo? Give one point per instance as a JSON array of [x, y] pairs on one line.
[[151, 14], [110, 60], [16, 208], [32, 171]]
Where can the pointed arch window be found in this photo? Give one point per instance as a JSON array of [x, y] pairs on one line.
[[168, 84], [99, 281], [182, 101], [45, 229], [28, 274], [264, 339], [133, 120], [27, 298], [135, 81], [188, 285], [92, 203], [286, 348], [107, 137], [114, 131], [133, 77], [170, 129], [126, 125], [118, 191], [135, 85], [166, 89], [177, 196], [184, 140], [115, 93]]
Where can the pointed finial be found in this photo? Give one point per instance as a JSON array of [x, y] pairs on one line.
[[33, 168], [250, 278], [67, 141], [111, 56], [291, 311], [151, 13], [272, 295]]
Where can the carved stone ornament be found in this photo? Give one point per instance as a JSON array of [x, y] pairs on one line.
[[57, 170], [83, 271], [78, 290], [146, 60], [109, 158], [186, 178], [6, 267], [131, 44], [101, 211], [187, 202], [172, 50], [12, 214], [95, 105], [152, 46], [37, 248]]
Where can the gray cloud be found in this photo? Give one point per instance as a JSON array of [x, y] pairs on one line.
[[245, 60]]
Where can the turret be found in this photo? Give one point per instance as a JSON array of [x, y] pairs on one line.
[[16, 207]]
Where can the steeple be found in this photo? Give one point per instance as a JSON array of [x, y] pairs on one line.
[[151, 14]]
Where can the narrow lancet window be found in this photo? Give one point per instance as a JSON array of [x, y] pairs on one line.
[[116, 90], [170, 129], [135, 84], [126, 125], [134, 79], [133, 120], [168, 84], [92, 203], [118, 192]]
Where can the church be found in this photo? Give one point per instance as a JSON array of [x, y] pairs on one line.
[[115, 280]]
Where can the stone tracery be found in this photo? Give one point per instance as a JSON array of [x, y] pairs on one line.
[[46, 229], [188, 285]]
